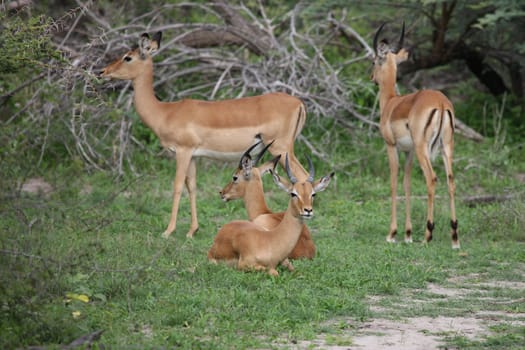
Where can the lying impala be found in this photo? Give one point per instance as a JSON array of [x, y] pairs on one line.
[[249, 246], [247, 184], [421, 122], [219, 130]]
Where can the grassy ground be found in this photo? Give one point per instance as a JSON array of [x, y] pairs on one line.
[[97, 237]]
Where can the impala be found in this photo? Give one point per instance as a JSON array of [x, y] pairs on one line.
[[247, 184], [218, 130], [252, 247], [422, 123]]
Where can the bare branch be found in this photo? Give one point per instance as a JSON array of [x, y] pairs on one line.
[[349, 33]]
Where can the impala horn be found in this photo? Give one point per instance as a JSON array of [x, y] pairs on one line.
[[376, 37], [401, 39], [261, 154], [311, 170], [247, 153], [292, 178]]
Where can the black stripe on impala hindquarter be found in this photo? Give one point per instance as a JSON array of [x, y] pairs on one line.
[[429, 120], [438, 134], [451, 120]]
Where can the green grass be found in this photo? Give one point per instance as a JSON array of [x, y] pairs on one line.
[[101, 237]]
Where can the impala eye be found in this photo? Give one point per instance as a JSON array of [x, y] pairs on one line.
[[293, 194], [235, 178], [127, 58], [313, 194]]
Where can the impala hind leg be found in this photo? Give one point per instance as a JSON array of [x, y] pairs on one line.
[[393, 162], [447, 159], [183, 160], [430, 179], [406, 186], [252, 265], [191, 185]]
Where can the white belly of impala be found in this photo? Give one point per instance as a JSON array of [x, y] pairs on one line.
[[405, 143], [217, 155], [224, 155]]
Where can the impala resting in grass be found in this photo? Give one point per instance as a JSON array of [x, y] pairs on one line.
[[219, 130], [247, 184], [422, 123], [249, 246]]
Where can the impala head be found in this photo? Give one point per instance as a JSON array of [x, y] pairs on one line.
[[302, 193], [247, 172], [133, 62], [387, 57]]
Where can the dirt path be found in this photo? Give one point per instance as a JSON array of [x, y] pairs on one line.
[[415, 333], [396, 331]]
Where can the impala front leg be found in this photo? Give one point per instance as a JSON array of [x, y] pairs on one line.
[[393, 162], [278, 148], [296, 167], [183, 159], [191, 185]]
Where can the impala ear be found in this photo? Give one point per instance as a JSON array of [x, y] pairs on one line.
[[247, 166], [322, 183], [282, 183], [269, 165], [401, 56], [148, 46], [157, 37]]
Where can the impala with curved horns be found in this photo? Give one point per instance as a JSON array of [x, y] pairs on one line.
[[219, 129], [246, 184], [422, 123], [249, 246]]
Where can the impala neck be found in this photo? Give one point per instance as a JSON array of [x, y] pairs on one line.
[[387, 85], [146, 103], [289, 230], [254, 201]]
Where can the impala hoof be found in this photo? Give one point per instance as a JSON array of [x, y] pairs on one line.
[[191, 232], [456, 245], [408, 240], [391, 240], [288, 264]]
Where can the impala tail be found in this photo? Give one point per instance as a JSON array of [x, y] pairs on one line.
[[437, 122]]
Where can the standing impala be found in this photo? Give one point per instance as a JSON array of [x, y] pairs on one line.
[[219, 130], [421, 122], [249, 246], [247, 184]]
